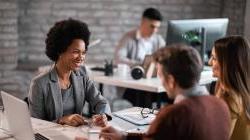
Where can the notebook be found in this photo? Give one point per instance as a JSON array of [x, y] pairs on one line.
[[19, 120]]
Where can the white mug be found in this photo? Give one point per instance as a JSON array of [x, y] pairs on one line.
[[123, 70]]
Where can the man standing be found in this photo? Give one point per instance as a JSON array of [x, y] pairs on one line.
[[195, 115], [135, 44]]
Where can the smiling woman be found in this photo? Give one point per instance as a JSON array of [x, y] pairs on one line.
[[230, 61], [73, 57], [60, 94]]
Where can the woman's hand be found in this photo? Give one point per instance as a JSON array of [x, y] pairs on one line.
[[72, 120], [80, 138], [110, 133], [100, 120]]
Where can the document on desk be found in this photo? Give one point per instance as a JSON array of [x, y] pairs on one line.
[[56, 135], [133, 115], [49, 129], [91, 133], [39, 124]]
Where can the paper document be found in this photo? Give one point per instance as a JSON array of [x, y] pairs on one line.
[[38, 124], [134, 116]]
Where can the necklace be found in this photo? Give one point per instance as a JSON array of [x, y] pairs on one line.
[[64, 84]]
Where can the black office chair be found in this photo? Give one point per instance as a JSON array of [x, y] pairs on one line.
[[26, 100], [212, 88]]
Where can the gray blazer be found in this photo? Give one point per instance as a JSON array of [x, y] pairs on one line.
[[45, 98]]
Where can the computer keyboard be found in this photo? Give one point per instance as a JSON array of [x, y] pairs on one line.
[[40, 137]]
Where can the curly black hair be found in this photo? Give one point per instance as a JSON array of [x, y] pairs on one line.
[[61, 35]]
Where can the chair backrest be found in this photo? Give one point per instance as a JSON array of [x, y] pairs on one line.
[[26, 100]]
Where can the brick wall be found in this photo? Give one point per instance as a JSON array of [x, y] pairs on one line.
[[8, 35], [247, 20], [8, 44], [235, 11], [109, 19]]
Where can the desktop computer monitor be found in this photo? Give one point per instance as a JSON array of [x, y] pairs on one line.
[[199, 33]]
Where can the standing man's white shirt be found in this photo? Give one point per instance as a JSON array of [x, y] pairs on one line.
[[132, 48], [145, 46]]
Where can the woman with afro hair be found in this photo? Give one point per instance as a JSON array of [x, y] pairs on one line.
[[60, 94]]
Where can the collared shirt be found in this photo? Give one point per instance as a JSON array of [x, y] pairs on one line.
[[197, 90], [132, 49]]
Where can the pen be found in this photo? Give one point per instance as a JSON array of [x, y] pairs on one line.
[[94, 132], [89, 123]]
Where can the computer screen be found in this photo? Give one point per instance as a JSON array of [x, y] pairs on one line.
[[196, 32]]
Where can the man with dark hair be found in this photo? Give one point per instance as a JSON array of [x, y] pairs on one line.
[[195, 115], [153, 14], [137, 43]]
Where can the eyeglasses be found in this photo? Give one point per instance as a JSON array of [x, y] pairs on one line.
[[146, 111]]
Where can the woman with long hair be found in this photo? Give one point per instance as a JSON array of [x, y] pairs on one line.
[[230, 61]]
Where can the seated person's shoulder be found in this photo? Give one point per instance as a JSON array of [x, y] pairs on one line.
[[42, 76], [211, 100], [172, 114], [129, 35], [206, 100], [189, 104], [174, 109], [158, 36]]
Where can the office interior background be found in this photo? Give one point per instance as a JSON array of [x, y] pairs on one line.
[[24, 24]]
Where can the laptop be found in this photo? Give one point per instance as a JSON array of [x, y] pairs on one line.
[[18, 118]]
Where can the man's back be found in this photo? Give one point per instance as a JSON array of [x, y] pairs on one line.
[[195, 118]]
